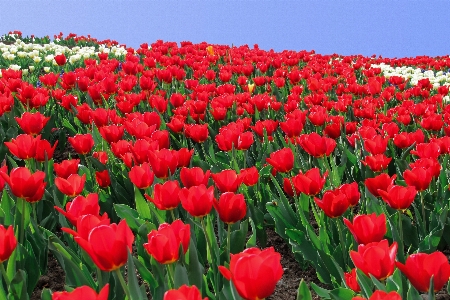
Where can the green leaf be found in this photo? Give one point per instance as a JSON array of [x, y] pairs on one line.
[[321, 292], [146, 275], [7, 205], [303, 292], [180, 276], [133, 285], [252, 240], [365, 283], [46, 294], [130, 215], [141, 205], [342, 294], [377, 283], [18, 287], [195, 268], [413, 294]]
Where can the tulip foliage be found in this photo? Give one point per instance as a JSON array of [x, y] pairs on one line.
[[170, 161]]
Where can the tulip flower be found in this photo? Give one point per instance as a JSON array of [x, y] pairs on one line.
[[377, 258], [377, 163], [282, 160], [141, 176], [310, 183], [381, 295], [8, 242], [184, 156], [231, 207], [23, 146], [103, 178], [80, 206], [66, 168], [32, 123], [165, 196], [376, 145], [251, 266], [428, 163], [418, 177], [82, 143], [249, 176], [380, 182], [197, 200], [351, 191], [198, 133], [367, 228], [3, 169], [164, 243], [427, 150], [333, 203], [184, 293], [72, 186], [85, 223], [83, 292], [112, 133], [44, 150], [25, 185], [108, 246], [163, 162], [194, 176], [227, 181], [316, 145], [60, 59], [420, 267], [351, 281], [399, 197]]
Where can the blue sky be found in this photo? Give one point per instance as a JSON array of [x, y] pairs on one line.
[[387, 28]]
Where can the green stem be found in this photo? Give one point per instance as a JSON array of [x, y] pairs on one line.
[[171, 277], [22, 223], [122, 283], [33, 205], [173, 215], [341, 238], [208, 242], [228, 241], [99, 279], [2, 269], [424, 219], [400, 228]]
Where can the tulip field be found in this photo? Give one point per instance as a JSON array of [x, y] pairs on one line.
[[156, 173]]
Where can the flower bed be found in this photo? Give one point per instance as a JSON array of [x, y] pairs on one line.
[[168, 163]]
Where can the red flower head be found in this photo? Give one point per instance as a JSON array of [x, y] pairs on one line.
[[194, 176], [44, 150], [60, 59], [249, 176], [333, 203], [292, 127], [108, 246], [427, 150], [23, 146], [72, 186], [164, 243], [198, 133], [380, 182], [32, 123], [419, 268], [184, 157], [80, 206], [381, 295], [8, 242], [282, 160], [418, 177], [310, 183], [231, 207], [352, 193], [316, 145], [66, 168], [85, 223], [83, 292], [23, 184], [197, 200], [141, 176], [184, 293], [399, 197], [351, 281], [103, 178], [101, 156], [367, 228], [82, 143], [377, 163], [227, 181], [163, 162], [376, 145], [429, 164], [165, 196], [253, 265], [376, 258], [112, 133]]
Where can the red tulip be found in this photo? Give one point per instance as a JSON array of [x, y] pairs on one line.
[[3, 169], [316, 145], [108, 246], [194, 176], [23, 184], [333, 203], [367, 228], [83, 292], [420, 267], [251, 266], [351, 191], [85, 223], [32, 123], [82, 143], [60, 59], [418, 177], [380, 182], [282, 160], [351, 280], [72, 186], [377, 258], [165, 196], [101, 156], [184, 156], [163, 162], [184, 293], [427, 150], [103, 178], [8, 242], [44, 150], [164, 243], [310, 183], [198, 133], [112, 133], [66, 168], [381, 295], [249, 176], [80, 206], [197, 200], [376, 145], [23, 146], [377, 163], [231, 207], [141, 176], [428, 163], [227, 181], [399, 197]]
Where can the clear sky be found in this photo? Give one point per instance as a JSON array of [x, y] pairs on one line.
[[387, 28]]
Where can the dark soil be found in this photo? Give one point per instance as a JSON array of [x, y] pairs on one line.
[[54, 279]]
